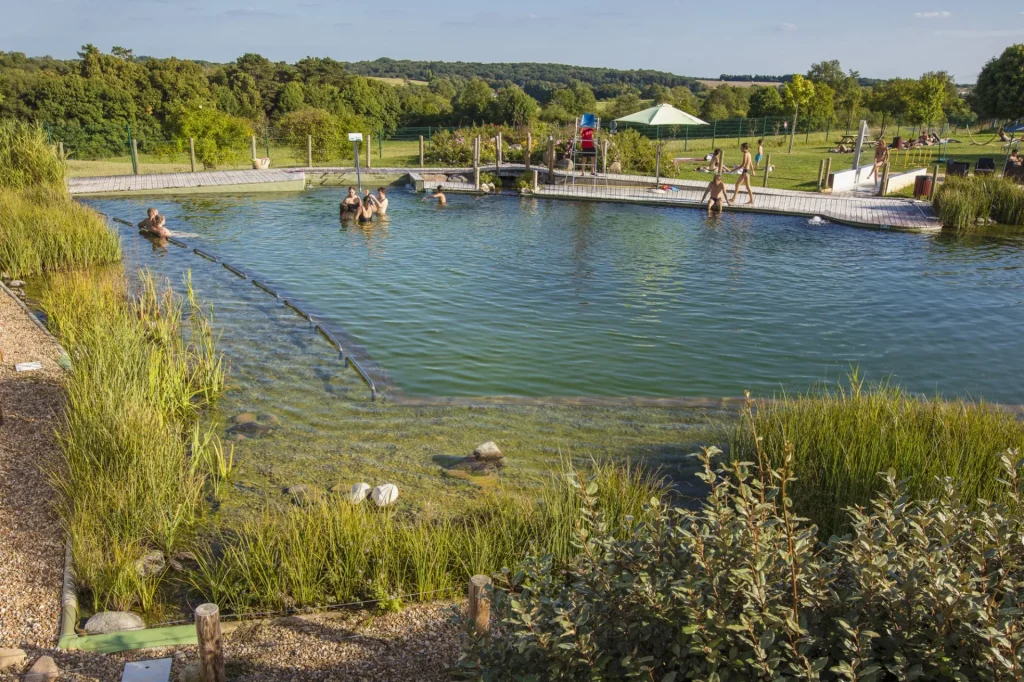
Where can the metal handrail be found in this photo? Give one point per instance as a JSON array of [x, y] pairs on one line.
[[366, 377]]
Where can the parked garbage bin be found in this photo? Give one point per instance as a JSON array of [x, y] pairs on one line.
[[922, 186]]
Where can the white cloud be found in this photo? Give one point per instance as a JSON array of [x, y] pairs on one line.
[[933, 15], [786, 26], [532, 16]]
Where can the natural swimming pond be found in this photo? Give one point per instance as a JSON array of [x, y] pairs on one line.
[[503, 296]]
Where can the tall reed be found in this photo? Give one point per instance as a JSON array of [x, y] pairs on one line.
[[842, 437], [27, 160], [965, 203], [332, 552], [135, 458]]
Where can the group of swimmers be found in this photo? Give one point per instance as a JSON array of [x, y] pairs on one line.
[[716, 194], [154, 225], [362, 210]]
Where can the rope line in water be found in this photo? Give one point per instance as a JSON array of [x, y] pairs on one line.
[[265, 288], [235, 270], [122, 221], [177, 243], [304, 610], [205, 255]]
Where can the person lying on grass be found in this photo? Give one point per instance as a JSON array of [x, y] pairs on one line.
[[716, 195]]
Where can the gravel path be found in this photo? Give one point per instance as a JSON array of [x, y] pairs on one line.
[[31, 541]]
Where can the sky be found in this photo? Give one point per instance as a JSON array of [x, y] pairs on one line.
[[879, 38]]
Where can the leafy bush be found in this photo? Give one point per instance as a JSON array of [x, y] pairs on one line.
[[218, 136], [329, 133], [742, 590], [636, 153], [843, 436]]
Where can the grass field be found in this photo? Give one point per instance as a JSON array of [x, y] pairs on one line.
[[797, 170]]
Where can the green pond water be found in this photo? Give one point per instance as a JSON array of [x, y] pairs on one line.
[[574, 306]]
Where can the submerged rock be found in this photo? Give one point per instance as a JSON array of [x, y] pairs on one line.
[[105, 622], [43, 670], [250, 429], [303, 494], [244, 418], [488, 452], [182, 561], [12, 658], [384, 495], [150, 563]]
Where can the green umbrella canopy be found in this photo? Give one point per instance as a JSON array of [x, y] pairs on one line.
[[662, 115]]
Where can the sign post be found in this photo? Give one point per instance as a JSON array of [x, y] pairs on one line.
[[355, 139]]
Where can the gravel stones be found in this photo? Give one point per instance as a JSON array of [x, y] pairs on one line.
[[114, 621]]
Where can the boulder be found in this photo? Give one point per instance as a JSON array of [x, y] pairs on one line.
[[384, 495], [43, 670], [458, 178], [271, 419], [17, 284], [615, 167], [12, 658], [358, 493], [303, 494], [487, 452], [150, 563], [250, 429], [106, 622], [244, 418]]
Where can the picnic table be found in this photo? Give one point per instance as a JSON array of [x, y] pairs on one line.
[[847, 140]]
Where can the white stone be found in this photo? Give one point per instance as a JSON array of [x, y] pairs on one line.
[[359, 492], [386, 494], [12, 658], [43, 670], [113, 621], [487, 452]]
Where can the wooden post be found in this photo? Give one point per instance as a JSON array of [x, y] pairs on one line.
[[551, 159], [767, 165], [309, 151], [192, 153], [60, 150], [476, 178], [252, 144], [935, 180], [476, 162], [479, 604], [497, 151], [369, 143], [657, 166], [536, 180], [529, 150], [883, 185], [827, 173], [821, 169], [604, 157], [135, 154], [421, 151], [211, 655]]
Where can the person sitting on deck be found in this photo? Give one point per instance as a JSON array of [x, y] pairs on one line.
[[147, 224], [716, 194], [1015, 159]]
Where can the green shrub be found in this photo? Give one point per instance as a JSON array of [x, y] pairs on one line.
[[636, 153], [328, 132], [134, 458], [843, 436], [218, 136], [965, 203], [27, 160], [44, 231], [743, 590], [332, 552]]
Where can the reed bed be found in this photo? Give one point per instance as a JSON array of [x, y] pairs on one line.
[[333, 552], [27, 160], [966, 203], [843, 437], [136, 461]]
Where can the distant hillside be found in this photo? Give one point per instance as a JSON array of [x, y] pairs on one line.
[[605, 82]]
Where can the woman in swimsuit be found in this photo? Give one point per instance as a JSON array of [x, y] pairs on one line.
[[746, 169], [364, 211], [881, 156]]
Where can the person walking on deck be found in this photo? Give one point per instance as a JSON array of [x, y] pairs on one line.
[[746, 169]]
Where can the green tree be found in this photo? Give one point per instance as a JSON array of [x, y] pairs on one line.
[[765, 101], [625, 104], [475, 101], [891, 98], [218, 136], [848, 96], [682, 98], [797, 94], [515, 106], [328, 133], [373, 101], [927, 99], [1000, 89], [831, 73], [292, 98]]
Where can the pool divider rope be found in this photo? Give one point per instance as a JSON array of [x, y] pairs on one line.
[[347, 359]]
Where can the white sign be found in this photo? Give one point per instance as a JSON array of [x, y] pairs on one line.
[[355, 137]]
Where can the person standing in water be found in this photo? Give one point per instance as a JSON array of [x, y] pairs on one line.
[[746, 169], [442, 200], [716, 194], [147, 224], [381, 200], [349, 203]]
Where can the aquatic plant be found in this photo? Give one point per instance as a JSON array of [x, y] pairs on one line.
[[135, 458], [27, 159], [333, 552], [964, 203], [742, 589], [843, 436]]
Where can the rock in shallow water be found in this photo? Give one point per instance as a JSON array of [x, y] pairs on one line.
[[114, 621], [243, 418]]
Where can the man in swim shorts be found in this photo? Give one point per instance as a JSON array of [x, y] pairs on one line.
[[442, 200], [716, 194]]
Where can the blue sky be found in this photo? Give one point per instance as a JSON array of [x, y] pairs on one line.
[[879, 38]]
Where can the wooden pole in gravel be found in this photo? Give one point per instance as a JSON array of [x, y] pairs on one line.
[[211, 655], [421, 151], [821, 169], [192, 153], [883, 185], [767, 166], [479, 604]]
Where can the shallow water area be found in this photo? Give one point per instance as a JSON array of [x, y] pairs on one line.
[[501, 296]]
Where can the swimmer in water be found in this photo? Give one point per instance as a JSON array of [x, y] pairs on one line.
[[364, 211], [147, 224], [348, 203], [442, 200]]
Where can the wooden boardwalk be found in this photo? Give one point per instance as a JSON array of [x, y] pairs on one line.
[[188, 183]]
